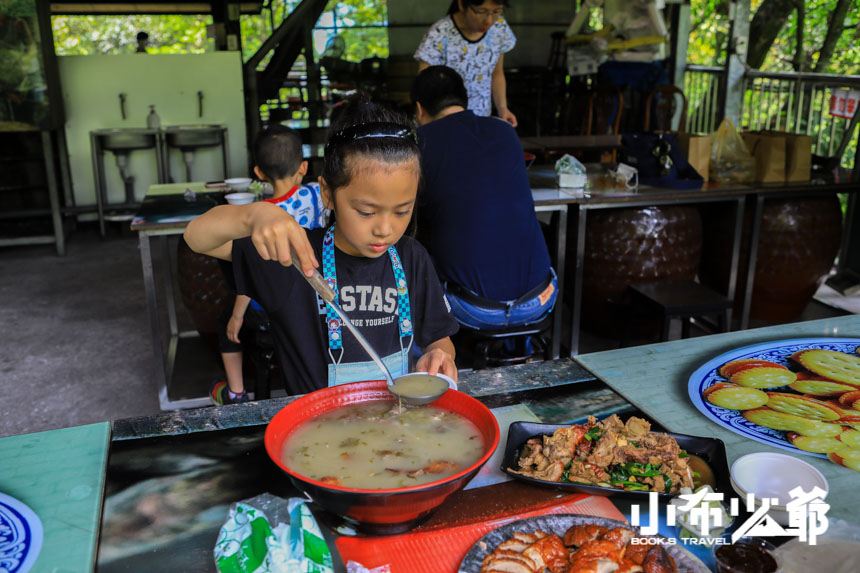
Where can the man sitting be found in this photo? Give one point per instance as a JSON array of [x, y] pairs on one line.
[[476, 212]]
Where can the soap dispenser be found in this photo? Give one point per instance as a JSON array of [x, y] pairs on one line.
[[152, 120]]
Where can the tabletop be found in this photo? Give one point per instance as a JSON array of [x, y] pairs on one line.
[[602, 190], [655, 377], [60, 475], [167, 206]]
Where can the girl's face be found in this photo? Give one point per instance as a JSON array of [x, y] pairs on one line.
[[481, 18], [374, 210]]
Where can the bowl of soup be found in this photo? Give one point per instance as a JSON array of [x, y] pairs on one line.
[[381, 465]]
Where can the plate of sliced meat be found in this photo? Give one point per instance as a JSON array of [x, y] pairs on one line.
[[565, 543]]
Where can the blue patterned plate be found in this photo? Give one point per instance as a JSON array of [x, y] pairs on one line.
[[775, 351], [20, 535]]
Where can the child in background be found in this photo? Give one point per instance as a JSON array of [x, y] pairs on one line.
[[383, 279], [278, 156]]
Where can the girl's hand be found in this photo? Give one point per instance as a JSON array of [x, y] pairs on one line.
[[508, 116], [274, 233], [436, 361], [234, 325]]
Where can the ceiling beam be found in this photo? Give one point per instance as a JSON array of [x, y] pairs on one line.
[[118, 7]]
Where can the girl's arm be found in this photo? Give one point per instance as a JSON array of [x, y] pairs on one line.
[[438, 358], [272, 230], [499, 92]]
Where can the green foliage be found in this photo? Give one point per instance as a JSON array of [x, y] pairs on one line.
[[362, 24], [172, 34], [846, 56], [710, 27], [709, 32]]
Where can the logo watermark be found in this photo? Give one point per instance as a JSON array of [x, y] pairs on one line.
[[703, 512]]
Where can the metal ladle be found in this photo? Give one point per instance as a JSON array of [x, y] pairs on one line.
[[434, 386]]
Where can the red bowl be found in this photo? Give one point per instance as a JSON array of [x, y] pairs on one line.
[[382, 511]]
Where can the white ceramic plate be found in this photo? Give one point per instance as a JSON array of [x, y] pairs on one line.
[[776, 351], [558, 524], [20, 535]]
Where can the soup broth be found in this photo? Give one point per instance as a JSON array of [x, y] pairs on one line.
[[379, 445]]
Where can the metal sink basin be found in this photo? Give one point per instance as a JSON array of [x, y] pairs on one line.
[[193, 136], [125, 139]]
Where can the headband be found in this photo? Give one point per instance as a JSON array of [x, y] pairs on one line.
[[373, 130]]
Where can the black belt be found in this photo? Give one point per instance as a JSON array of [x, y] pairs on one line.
[[477, 300]]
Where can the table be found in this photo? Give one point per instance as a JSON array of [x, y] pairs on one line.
[[60, 475], [546, 192], [172, 476], [165, 212], [599, 196], [563, 143], [654, 379]]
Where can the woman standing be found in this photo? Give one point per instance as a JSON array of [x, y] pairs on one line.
[[473, 38]]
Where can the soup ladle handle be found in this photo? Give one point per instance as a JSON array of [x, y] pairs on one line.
[[316, 280]]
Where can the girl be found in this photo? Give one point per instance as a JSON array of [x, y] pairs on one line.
[[384, 281], [473, 39]]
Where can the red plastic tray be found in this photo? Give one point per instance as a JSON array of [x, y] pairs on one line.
[[442, 550]]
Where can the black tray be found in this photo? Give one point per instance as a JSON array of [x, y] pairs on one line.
[[712, 450]]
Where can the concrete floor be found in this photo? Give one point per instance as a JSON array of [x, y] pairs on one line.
[[78, 347]]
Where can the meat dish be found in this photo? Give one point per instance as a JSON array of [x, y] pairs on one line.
[[609, 453], [584, 548]]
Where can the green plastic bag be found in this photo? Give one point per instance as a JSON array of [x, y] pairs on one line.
[[247, 542]]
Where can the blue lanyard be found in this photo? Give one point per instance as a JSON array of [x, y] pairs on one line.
[[335, 340]]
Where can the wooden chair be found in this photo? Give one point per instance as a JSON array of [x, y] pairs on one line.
[[664, 108], [596, 111]]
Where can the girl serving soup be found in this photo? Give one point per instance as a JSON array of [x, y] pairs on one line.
[[384, 280]]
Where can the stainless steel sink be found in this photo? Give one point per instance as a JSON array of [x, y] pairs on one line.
[[125, 139], [194, 136]]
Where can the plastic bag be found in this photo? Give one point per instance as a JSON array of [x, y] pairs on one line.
[[570, 172], [249, 543], [731, 161]]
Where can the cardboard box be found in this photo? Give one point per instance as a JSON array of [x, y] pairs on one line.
[[697, 150]]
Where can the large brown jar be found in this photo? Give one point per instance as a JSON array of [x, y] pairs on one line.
[[632, 246], [798, 242], [204, 291]]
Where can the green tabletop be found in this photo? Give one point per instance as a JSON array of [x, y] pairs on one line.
[[60, 475], [655, 379], [178, 188]]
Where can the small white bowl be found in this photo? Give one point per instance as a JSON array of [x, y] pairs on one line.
[[239, 183], [772, 475], [239, 198]]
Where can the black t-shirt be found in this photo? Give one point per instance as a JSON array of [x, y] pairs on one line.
[[367, 294]]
